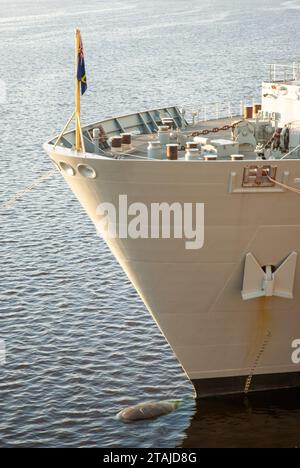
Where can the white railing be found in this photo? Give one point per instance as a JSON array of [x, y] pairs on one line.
[[283, 72], [217, 110]]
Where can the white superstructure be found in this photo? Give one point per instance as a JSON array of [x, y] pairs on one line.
[[281, 93]]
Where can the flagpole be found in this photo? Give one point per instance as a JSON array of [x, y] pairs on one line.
[[77, 100]]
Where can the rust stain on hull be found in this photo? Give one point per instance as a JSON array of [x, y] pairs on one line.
[[261, 331]]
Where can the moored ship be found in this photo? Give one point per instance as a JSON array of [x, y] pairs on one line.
[[229, 303]]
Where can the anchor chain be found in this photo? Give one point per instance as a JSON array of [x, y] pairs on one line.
[[212, 130], [256, 362]]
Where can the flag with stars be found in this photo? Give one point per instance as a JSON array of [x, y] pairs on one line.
[[81, 74]]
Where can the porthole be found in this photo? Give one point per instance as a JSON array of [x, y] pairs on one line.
[[86, 171], [67, 168]]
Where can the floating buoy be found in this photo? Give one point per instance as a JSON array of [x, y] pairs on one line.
[[148, 410]]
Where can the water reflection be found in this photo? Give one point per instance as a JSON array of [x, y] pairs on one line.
[[260, 420]]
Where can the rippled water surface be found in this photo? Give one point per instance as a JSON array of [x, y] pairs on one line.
[[80, 344]]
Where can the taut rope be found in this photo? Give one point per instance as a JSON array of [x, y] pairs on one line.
[[9, 203], [287, 187]]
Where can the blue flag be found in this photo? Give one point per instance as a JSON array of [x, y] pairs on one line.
[[81, 74]]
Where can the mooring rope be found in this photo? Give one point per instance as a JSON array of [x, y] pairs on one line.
[[287, 187], [9, 203]]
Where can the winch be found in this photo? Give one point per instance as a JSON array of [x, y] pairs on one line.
[[243, 133]]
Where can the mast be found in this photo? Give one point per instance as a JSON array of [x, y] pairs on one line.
[[79, 140], [78, 145]]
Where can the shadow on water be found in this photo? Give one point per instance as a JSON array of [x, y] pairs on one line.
[[259, 420]]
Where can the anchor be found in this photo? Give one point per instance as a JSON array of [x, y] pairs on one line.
[[269, 281]]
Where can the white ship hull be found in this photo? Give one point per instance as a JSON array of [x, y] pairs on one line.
[[195, 295]]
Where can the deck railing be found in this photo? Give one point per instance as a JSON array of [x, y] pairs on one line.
[[282, 73], [217, 110]]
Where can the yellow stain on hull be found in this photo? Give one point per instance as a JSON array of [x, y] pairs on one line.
[[261, 332]]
